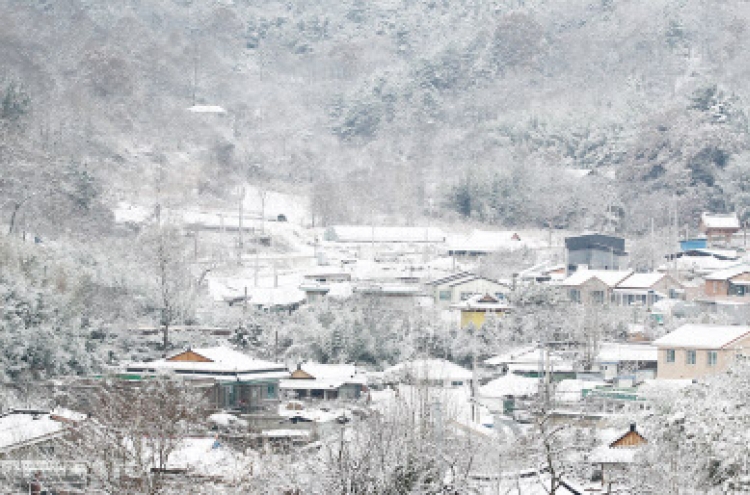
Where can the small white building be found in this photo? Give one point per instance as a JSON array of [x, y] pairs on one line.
[[325, 381], [432, 372], [457, 287]]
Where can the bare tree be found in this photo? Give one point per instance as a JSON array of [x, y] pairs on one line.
[[165, 253], [132, 430]]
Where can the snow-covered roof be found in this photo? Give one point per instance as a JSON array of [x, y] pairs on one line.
[[491, 241], [321, 384], [610, 277], [453, 278], [206, 109], [338, 371], [510, 385], [389, 289], [728, 273], [128, 213], [618, 352], [641, 280], [571, 390], [220, 360], [527, 359], [368, 233], [427, 369], [698, 264], [604, 454], [231, 289], [720, 221], [699, 336], [578, 173], [327, 272], [22, 428], [482, 302]]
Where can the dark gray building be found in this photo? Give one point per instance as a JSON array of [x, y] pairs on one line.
[[596, 251]]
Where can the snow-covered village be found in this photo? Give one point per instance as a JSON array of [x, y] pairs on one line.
[[481, 247]]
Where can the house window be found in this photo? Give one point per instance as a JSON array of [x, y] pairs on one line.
[[500, 296], [690, 357], [466, 295], [456, 384], [737, 290], [597, 296], [670, 355], [444, 295], [713, 358], [575, 295], [271, 392]]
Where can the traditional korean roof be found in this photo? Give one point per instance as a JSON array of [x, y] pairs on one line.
[[326, 373], [618, 447], [720, 221], [482, 302], [213, 362], [698, 336]]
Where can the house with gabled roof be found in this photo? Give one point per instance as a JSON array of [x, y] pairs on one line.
[[325, 381], [697, 350], [719, 228], [733, 282], [474, 310], [647, 288], [237, 380], [616, 452], [458, 287], [593, 286]]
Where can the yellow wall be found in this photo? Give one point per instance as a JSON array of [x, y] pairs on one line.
[[477, 318]]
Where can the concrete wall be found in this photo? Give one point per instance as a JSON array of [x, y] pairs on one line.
[[588, 288], [720, 288], [680, 368], [596, 259]]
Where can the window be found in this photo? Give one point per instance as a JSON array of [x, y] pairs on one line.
[[670, 355], [466, 295], [456, 384], [690, 357], [500, 296], [575, 295], [737, 290], [444, 295], [597, 296], [271, 392], [713, 358]]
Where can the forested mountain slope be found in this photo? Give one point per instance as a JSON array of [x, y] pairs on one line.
[[475, 106]]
